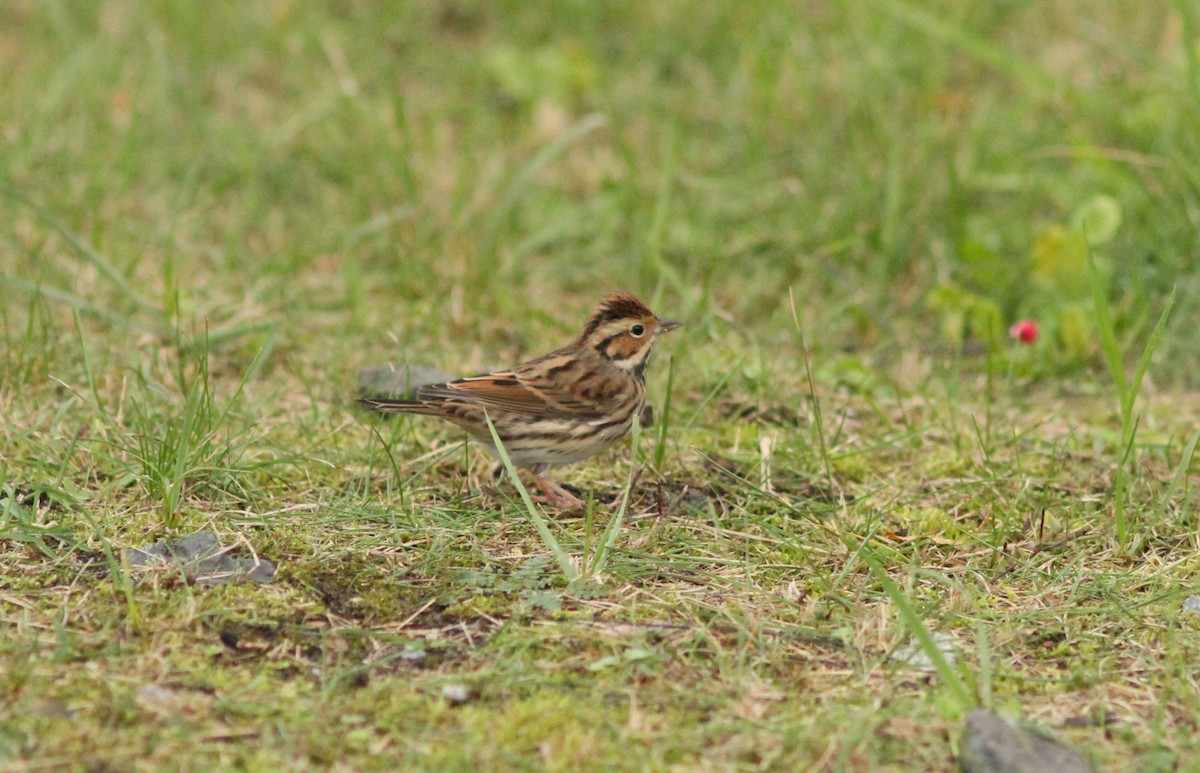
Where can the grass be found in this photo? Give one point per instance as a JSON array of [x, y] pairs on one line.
[[214, 218]]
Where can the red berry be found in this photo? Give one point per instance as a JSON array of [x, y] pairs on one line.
[[1025, 331]]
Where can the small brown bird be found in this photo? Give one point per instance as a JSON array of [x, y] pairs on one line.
[[561, 408]]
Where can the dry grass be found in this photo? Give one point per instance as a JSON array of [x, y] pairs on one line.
[[219, 217]]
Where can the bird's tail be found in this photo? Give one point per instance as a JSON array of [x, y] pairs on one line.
[[384, 405]]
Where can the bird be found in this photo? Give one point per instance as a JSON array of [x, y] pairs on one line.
[[560, 408]]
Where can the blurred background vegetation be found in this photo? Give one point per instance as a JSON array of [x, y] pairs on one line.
[[920, 174], [213, 215]]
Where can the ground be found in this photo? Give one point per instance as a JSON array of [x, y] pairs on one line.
[[218, 217]]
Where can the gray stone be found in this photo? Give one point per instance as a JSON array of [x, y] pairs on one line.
[[203, 560], [995, 744], [412, 654], [398, 382], [456, 694], [1191, 604], [156, 698], [914, 655]]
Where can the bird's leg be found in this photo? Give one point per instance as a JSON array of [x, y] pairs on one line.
[[555, 495]]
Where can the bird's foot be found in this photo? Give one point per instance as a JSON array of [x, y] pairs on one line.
[[555, 495]]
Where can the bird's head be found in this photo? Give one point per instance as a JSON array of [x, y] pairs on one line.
[[623, 330]]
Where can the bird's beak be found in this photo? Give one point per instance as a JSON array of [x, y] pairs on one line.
[[666, 325]]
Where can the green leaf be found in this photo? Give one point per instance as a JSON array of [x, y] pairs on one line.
[[1059, 262], [1098, 219], [1076, 330]]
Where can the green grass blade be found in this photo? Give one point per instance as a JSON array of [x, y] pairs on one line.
[[1152, 344], [525, 176], [609, 537], [984, 655], [539, 521], [1108, 335], [937, 27], [1181, 470], [76, 303], [818, 419], [916, 626], [1190, 16], [85, 250], [663, 422]]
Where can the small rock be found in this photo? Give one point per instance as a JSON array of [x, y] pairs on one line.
[[914, 655], [158, 699], [52, 709], [1191, 604], [398, 381], [696, 500], [412, 654], [203, 560], [994, 744], [456, 694]]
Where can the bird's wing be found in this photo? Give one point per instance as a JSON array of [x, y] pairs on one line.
[[509, 391]]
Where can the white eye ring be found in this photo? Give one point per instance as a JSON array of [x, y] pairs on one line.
[[637, 331]]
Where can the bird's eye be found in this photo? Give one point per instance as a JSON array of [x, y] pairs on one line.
[[637, 331]]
